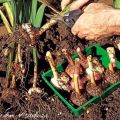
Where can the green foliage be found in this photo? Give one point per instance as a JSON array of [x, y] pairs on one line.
[[3, 1], [39, 16], [25, 11], [116, 3]]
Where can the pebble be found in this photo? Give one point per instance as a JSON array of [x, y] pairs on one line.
[[52, 100], [106, 109]]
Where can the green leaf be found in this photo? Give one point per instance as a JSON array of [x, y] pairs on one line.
[[5, 21], [27, 10], [116, 3], [13, 7], [3, 1], [39, 16], [19, 11], [33, 10]]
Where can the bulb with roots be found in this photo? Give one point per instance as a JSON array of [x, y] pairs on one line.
[[112, 75], [98, 69], [70, 68], [97, 66], [76, 96], [92, 88], [60, 81]]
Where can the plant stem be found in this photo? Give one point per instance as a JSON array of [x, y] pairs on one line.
[[52, 21], [82, 57], [10, 58], [35, 67], [49, 5], [20, 59], [91, 73], [13, 84], [5, 21], [67, 55], [76, 76], [111, 54], [52, 64], [9, 12]]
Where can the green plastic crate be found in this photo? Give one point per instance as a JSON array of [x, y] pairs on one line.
[[103, 56]]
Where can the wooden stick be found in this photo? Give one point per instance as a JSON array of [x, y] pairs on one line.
[[52, 64]]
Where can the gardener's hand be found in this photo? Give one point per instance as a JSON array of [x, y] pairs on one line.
[[97, 21], [77, 4]]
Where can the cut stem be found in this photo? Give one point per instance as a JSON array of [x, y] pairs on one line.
[[35, 67], [13, 83], [52, 21], [9, 12], [76, 76], [90, 68], [52, 64], [49, 5], [20, 59], [10, 57], [80, 53], [5, 21], [111, 54], [67, 55]]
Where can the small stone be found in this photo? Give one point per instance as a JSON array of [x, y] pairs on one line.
[[87, 111], [52, 100], [106, 109], [60, 113]]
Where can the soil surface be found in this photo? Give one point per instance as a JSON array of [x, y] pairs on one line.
[[47, 106]]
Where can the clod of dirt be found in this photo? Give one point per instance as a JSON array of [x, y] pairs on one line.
[[9, 93], [94, 90], [10, 100], [77, 99], [111, 77]]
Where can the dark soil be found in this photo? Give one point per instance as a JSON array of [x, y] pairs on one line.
[[47, 106], [111, 77]]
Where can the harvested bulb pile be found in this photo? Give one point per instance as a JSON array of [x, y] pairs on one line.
[[84, 76]]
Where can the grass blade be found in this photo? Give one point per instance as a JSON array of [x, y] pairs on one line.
[[5, 21], [116, 3], [39, 16], [13, 7], [27, 10], [33, 10], [3, 1], [9, 12]]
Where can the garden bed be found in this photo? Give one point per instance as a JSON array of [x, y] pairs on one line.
[[47, 105]]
